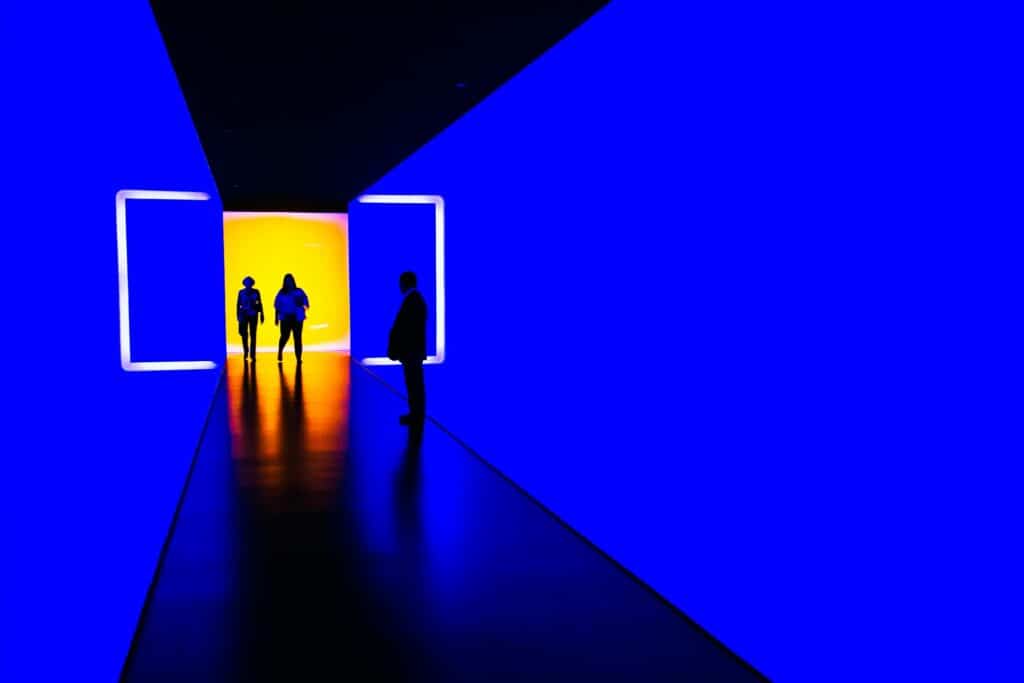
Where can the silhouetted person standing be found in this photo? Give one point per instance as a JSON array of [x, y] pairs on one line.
[[408, 344], [290, 312], [250, 313]]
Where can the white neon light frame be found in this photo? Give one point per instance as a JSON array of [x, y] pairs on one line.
[[122, 282], [439, 311]]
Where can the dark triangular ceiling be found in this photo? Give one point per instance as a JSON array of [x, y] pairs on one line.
[[302, 105]]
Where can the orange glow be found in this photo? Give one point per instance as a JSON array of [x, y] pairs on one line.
[[287, 425], [311, 246]]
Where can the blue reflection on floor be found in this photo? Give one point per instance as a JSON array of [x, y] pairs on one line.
[[320, 539]]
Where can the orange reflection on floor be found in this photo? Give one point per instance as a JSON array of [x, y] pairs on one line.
[[289, 425]]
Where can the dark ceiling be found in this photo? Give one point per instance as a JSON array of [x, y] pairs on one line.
[[302, 105]]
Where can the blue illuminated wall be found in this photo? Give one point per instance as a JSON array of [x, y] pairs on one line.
[[94, 458], [735, 291]]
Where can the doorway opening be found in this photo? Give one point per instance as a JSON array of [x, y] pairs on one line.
[[313, 247]]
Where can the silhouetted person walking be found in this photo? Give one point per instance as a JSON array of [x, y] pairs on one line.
[[290, 306], [408, 344], [250, 313]]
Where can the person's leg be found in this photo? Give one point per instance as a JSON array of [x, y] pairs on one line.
[[298, 340], [413, 371], [407, 374], [243, 330], [285, 333], [419, 405], [253, 324]]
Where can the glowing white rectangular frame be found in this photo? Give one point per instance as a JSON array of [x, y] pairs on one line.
[[122, 282], [439, 311]]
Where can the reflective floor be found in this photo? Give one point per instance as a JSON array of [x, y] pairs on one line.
[[319, 540]]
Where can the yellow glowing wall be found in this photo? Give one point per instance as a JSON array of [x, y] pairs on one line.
[[311, 246]]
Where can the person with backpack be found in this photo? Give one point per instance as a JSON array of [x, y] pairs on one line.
[[290, 311], [249, 309]]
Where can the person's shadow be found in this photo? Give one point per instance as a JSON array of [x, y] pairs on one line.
[[292, 412], [408, 484], [250, 410]]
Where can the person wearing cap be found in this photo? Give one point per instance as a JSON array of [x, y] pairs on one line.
[[249, 310]]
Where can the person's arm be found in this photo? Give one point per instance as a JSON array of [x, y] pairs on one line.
[[421, 327], [421, 314], [259, 305], [397, 338], [238, 307], [406, 316], [277, 312]]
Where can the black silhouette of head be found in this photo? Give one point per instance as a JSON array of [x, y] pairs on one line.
[[407, 281]]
